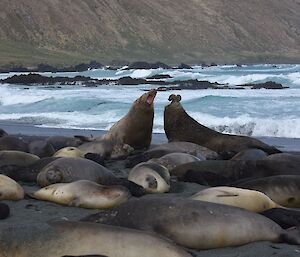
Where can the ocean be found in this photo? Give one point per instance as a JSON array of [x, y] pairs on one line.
[[259, 113]]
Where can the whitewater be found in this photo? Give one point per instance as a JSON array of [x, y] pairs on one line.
[[273, 113]]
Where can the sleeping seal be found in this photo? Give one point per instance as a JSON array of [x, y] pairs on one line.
[[179, 126], [66, 238], [153, 177], [250, 200], [84, 194], [10, 189], [195, 224]]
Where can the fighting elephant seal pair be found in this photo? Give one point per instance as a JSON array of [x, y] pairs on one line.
[[65, 238], [179, 126], [195, 224]]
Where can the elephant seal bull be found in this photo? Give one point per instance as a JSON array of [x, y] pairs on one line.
[[179, 126], [135, 128], [66, 238]]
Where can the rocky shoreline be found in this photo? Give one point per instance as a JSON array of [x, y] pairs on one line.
[[33, 79]]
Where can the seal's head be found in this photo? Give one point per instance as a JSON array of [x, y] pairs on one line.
[[147, 99], [50, 175], [174, 98]]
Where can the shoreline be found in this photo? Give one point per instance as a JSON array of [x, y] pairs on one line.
[[282, 143]]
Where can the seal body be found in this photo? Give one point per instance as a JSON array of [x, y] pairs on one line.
[[59, 142], [195, 224], [10, 189], [84, 193], [250, 200], [41, 148], [179, 126], [250, 154], [172, 160], [135, 128], [17, 158], [153, 177], [66, 238], [64, 170], [69, 152], [283, 189], [13, 143]]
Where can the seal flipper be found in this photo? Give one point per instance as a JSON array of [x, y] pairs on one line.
[[291, 236]]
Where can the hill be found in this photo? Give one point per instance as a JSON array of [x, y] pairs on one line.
[[60, 32]]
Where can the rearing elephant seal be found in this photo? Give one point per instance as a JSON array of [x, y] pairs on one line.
[[179, 126], [135, 128], [66, 238], [195, 224]]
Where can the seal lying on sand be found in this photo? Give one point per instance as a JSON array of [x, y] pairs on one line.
[[65, 170], [59, 142], [283, 189], [250, 154], [41, 148], [13, 143], [179, 126], [83, 193], [10, 189], [195, 224], [250, 200], [135, 128], [153, 177], [172, 147], [65, 238], [238, 170]]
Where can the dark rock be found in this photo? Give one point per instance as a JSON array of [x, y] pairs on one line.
[[266, 85], [131, 81], [184, 66], [213, 64], [46, 68], [194, 84], [146, 65], [160, 76]]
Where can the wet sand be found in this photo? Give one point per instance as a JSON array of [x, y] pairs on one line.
[[30, 211]]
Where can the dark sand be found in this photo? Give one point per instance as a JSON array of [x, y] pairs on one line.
[[30, 211]]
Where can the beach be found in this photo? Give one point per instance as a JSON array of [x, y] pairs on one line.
[[30, 211]]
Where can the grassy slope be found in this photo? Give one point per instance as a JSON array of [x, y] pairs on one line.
[[70, 31]]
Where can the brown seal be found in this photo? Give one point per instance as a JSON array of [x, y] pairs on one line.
[[135, 128], [179, 126]]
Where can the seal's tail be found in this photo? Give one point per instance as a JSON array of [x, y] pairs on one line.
[[291, 236]]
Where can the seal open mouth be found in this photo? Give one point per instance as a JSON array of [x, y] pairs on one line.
[[151, 96]]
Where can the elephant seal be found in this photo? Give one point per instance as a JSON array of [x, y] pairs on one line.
[[59, 142], [84, 194], [69, 152], [284, 157], [250, 200], [41, 148], [195, 224], [205, 178], [238, 170], [179, 126], [17, 158], [67, 238], [250, 154], [3, 133], [108, 149], [153, 177], [65, 170], [283, 189], [13, 143], [172, 160], [172, 147], [10, 189], [135, 128], [4, 211], [285, 218]]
